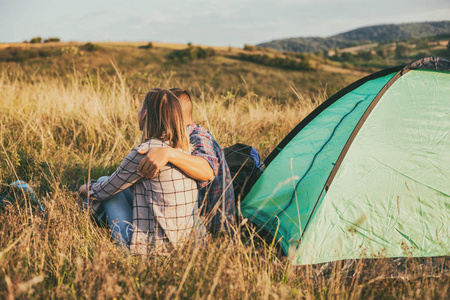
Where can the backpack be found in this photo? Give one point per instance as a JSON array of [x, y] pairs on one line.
[[245, 167]]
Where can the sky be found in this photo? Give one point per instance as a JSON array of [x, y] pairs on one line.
[[206, 22]]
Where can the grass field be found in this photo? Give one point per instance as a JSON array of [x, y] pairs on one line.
[[68, 116]]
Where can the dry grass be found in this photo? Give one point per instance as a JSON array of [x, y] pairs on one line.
[[53, 130], [171, 46]]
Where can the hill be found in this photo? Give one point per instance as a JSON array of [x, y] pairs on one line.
[[265, 73], [369, 34]]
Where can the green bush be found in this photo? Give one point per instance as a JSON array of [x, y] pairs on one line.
[[148, 46], [45, 53], [91, 47], [347, 56], [53, 39], [21, 55], [250, 47], [36, 40], [383, 52], [189, 54], [287, 63], [402, 50]]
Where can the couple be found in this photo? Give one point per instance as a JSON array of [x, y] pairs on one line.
[[152, 201]]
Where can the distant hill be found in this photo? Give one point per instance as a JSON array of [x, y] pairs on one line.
[[377, 33]]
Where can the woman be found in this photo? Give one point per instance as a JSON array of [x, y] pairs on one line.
[[164, 208]]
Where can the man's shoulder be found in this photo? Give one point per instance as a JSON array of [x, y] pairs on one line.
[[201, 137], [200, 132]]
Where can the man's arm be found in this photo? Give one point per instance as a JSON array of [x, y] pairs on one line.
[[195, 167]]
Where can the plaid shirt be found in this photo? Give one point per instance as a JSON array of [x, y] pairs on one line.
[[165, 208], [216, 197]]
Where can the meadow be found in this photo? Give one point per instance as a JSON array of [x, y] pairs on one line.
[[70, 114]]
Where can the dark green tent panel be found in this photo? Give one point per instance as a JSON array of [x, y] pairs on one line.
[[366, 174]]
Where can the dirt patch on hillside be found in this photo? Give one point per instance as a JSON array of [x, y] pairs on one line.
[[338, 70]]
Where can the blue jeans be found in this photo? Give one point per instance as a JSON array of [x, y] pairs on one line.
[[119, 212]]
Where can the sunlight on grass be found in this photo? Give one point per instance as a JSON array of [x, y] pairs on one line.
[[52, 128]]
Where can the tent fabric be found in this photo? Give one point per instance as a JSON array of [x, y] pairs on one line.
[[390, 195], [406, 165], [305, 161], [324, 106]]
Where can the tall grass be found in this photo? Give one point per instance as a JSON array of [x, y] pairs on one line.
[[55, 130]]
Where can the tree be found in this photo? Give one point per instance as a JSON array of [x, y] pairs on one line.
[[53, 39], [346, 56], [402, 50], [148, 46], [249, 47], [36, 40]]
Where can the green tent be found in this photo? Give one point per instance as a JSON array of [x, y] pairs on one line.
[[366, 174]]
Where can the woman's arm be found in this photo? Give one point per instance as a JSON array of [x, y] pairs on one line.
[[125, 176]]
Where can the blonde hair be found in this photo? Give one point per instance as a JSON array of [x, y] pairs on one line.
[[164, 119]]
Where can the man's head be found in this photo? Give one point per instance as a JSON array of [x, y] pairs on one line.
[[186, 104]]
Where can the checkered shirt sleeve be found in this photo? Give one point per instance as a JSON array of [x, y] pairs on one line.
[[125, 176]]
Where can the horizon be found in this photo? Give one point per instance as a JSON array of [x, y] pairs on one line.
[[177, 43]]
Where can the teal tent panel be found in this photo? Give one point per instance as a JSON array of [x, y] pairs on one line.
[[304, 165], [391, 194]]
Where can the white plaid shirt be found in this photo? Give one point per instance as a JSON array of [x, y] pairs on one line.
[[165, 208]]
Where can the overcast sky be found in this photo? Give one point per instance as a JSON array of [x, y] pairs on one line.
[[208, 22]]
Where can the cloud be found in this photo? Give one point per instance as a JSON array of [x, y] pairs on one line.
[[214, 22]]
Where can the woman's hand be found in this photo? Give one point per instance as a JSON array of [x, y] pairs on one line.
[[80, 195], [155, 159], [82, 191]]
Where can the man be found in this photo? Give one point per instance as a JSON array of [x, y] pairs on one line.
[[207, 165]]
